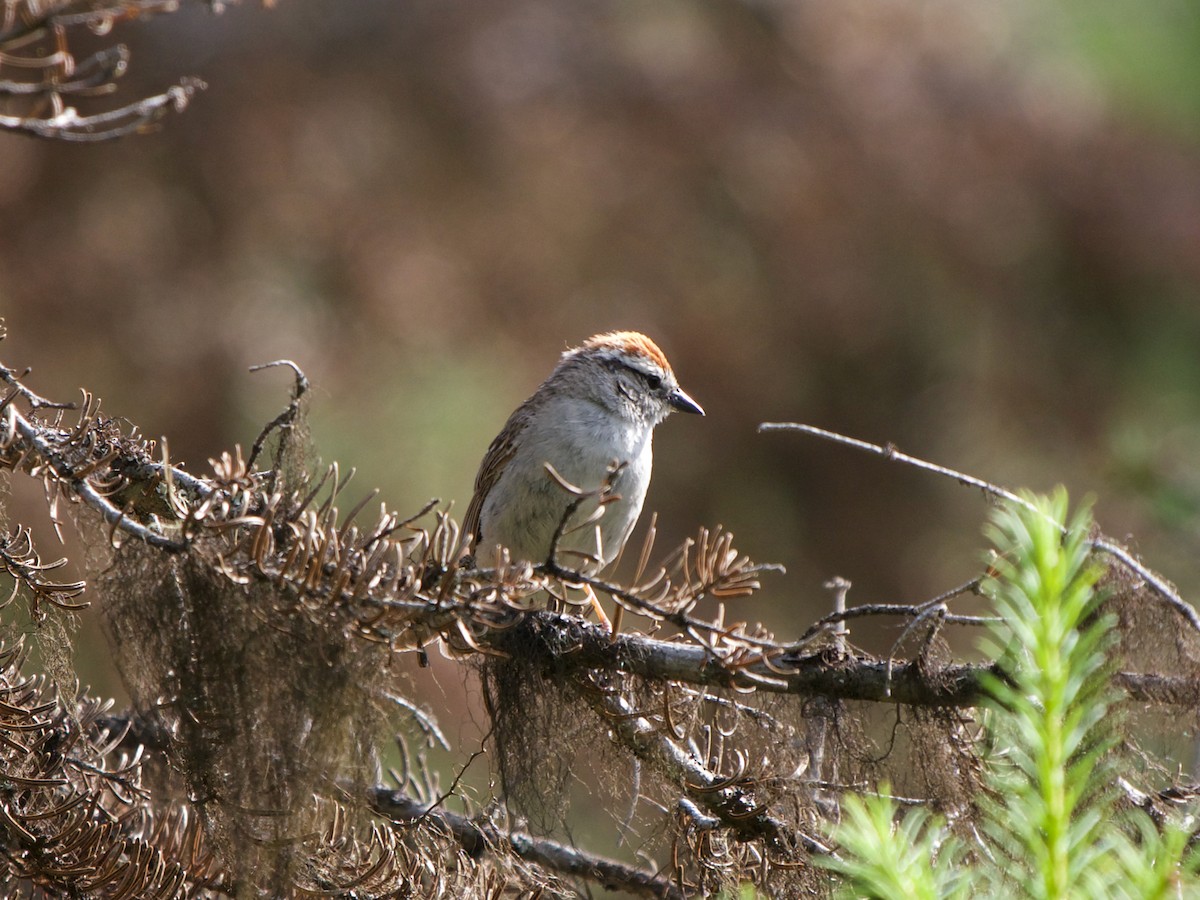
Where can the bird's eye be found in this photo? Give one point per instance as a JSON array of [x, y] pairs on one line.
[[655, 381]]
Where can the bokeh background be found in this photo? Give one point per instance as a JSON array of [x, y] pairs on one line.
[[971, 230]]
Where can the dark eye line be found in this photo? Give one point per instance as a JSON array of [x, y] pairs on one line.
[[653, 379]]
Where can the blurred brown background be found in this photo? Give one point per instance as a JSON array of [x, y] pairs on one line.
[[972, 230]]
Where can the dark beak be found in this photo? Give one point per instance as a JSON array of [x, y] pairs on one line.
[[682, 402]]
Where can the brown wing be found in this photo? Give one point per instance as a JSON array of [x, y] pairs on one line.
[[502, 449]]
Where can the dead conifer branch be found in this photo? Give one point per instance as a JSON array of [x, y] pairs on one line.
[[544, 638], [65, 462], [266, 575], [406, 590], [728, 798], [20, 559], [479, 836], [76, 811], [567, 644]]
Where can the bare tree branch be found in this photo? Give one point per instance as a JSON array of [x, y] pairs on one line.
[[570, 645], [42, 77], [1156, 582]]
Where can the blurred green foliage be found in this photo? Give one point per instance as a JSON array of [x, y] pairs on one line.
[[1147, 55]]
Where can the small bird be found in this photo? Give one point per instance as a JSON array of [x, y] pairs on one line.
[[594, 415]]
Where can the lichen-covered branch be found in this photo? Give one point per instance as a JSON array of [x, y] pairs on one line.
[[566, 644]]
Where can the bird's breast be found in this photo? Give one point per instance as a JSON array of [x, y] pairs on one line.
[[525, 508]]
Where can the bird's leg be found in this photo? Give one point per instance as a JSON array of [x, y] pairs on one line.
[[600, 614]]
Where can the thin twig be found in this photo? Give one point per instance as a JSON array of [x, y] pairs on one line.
[[36, 402], [288, 416], [68, 125], [824, 623], [934, 609], [449, 792], [1156, 582]]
